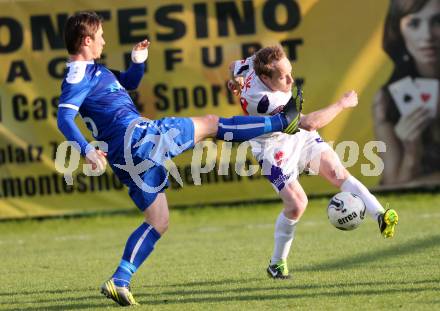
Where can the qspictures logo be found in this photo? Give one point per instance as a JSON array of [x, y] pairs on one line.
[[148, 145]]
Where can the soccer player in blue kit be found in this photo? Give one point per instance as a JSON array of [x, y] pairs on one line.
[[100, 96]]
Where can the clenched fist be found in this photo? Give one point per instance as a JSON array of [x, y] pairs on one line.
[[349, 100]]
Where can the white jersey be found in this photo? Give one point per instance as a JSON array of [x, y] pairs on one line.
[[256, 98], [282, 156]]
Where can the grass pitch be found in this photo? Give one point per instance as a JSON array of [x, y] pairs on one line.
[[215, 259]]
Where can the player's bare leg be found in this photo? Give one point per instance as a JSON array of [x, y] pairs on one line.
[[331, 168], [204, 127], [157, 214]]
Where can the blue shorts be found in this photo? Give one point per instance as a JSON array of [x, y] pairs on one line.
[[153, 142]]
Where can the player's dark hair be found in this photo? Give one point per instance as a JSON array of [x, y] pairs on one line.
[[393, 43], [78, 27], [264, 58]]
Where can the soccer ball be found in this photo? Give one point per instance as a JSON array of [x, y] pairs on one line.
[[346, 211]]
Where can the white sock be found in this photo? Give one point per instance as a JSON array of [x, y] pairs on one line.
[[284, 233], [374, 208]]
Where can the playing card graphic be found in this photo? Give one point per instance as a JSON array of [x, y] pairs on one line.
[[405, 94], [428, 89]]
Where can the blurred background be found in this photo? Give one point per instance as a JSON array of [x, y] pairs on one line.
[[334, 46]]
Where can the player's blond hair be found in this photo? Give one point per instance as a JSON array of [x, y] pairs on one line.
[[264, 58]]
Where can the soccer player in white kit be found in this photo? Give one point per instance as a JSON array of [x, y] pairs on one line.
[[264, 83]]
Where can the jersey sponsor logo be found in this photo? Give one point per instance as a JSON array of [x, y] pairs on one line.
[[116, 86]]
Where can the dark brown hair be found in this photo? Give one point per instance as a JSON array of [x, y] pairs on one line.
[[264, 59], [394, 46], [78, 27], [393, 43]]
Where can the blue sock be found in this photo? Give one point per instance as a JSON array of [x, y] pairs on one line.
[[242, 128], [139, 246]]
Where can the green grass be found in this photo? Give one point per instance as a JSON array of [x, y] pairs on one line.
[[215, 259]]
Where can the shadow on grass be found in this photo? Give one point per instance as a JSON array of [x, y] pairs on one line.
[[238, 295], [64, 302], [208, 283], [47, 291], [67, 306], [246, 297], [409, 247], [284, 285]]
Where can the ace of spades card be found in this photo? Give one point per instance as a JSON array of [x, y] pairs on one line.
[[409, 94]]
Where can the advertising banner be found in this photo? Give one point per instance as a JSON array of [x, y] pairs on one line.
[[334, 46]]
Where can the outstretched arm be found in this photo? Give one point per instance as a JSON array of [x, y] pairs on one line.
[[320, 118], [131, 78]]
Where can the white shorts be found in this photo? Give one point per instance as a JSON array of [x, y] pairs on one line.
[[283, 157]]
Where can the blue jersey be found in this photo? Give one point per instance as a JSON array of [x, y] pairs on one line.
[[101, 99], [100, 96]]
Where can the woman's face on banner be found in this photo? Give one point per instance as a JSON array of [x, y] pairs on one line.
[[421, 33]]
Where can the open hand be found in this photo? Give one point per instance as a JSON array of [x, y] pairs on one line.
[[139, 54], [142, 45], [410, 127]]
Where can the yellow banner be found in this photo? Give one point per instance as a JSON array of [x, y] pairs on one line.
[[334, 46]]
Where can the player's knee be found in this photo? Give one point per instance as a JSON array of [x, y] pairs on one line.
[[210, 125], [335, 172], [337, 175], [164, 227], [212, 120], [294, 207], [161, 226]]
